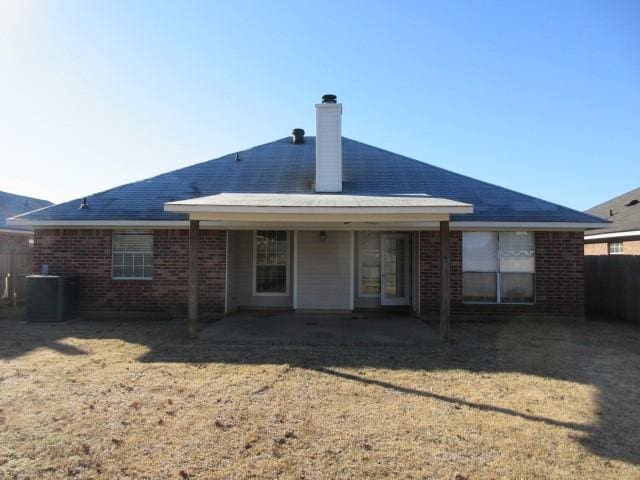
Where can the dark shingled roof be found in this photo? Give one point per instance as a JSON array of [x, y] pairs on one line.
[[283, 167], [11, 205], [625, 217]]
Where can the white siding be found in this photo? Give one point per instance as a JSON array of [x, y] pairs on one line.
[[324, 270], [328, 148], [240, 275]]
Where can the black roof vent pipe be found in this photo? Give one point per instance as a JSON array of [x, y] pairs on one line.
[[329, 98], [84, 204], [298, 136]]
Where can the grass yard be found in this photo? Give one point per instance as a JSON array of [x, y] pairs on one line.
[[519, 399]]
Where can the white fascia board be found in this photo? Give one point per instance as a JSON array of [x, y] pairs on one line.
[[460, 225], [99, 223], [16, 232], [576, 226], [598, 236], [186, 208]]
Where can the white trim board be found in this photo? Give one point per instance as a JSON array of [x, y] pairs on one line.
[[598, 236], [280, 225], [26, 233], [454, 209], [295, 270], [352, 263]]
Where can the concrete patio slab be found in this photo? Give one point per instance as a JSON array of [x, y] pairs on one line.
[[320, 329]]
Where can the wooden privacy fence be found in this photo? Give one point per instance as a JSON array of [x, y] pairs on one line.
[[612, 286], [15, 265]]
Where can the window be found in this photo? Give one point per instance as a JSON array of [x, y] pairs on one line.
[[616, 248], [369, 263], [517, 267], [498, 267], [132, 256], [271, 262], [479, 266]]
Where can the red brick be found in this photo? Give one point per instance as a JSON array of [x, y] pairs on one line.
[[559, 277], [88, 253]]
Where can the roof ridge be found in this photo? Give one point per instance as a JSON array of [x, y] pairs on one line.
[[614, 199], [17, 195]]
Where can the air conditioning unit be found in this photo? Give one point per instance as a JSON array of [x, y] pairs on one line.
[[52, 298]]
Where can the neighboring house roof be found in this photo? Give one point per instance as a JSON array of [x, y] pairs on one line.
[[282, 167], [623, 212], [11, 205]]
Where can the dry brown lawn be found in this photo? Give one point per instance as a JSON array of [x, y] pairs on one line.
[[517, 399]]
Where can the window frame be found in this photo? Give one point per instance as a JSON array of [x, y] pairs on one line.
[[254, 286], [499, 273], [617, 243], [125, 252]]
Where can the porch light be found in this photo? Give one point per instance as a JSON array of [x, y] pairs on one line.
[[323, 236]]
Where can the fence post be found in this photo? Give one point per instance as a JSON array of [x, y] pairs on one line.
[[12, 277]]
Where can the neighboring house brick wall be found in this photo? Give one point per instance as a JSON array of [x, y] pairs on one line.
[[88, 253], [595, 249], [559, 277], [9, 241], [630, 246]]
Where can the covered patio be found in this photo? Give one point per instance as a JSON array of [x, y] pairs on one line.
[[299, 328], [301, 214]]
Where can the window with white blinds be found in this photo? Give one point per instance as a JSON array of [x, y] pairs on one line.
[[132, 256], [498, 267]]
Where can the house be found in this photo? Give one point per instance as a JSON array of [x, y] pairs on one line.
[[16, 236], [15, 245], [317, 223], [622, 235]]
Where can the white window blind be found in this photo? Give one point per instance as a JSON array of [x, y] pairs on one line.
[[480, 252], [517, 252], [498, 267], [132, 256]]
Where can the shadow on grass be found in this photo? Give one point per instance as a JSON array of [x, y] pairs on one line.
[[605, 355], [455, 401]]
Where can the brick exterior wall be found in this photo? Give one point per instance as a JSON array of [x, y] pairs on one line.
[[630, 246], [559, 280], [559, 272], [596, 248], [9, 241], [88, 253]]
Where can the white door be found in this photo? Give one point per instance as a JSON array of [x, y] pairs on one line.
[[394, 269]]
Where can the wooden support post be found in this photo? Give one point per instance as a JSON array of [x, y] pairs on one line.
[[194, 249], [445, 281]]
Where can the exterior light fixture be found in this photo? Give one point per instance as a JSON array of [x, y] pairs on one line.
[[323, 236]]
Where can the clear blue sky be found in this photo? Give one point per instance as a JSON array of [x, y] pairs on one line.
[[542, 97]]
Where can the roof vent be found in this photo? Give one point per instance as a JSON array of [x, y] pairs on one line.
[[611, 212], [298, 136], [329, 98], [237, 157], [84, 204], [631, 203]]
